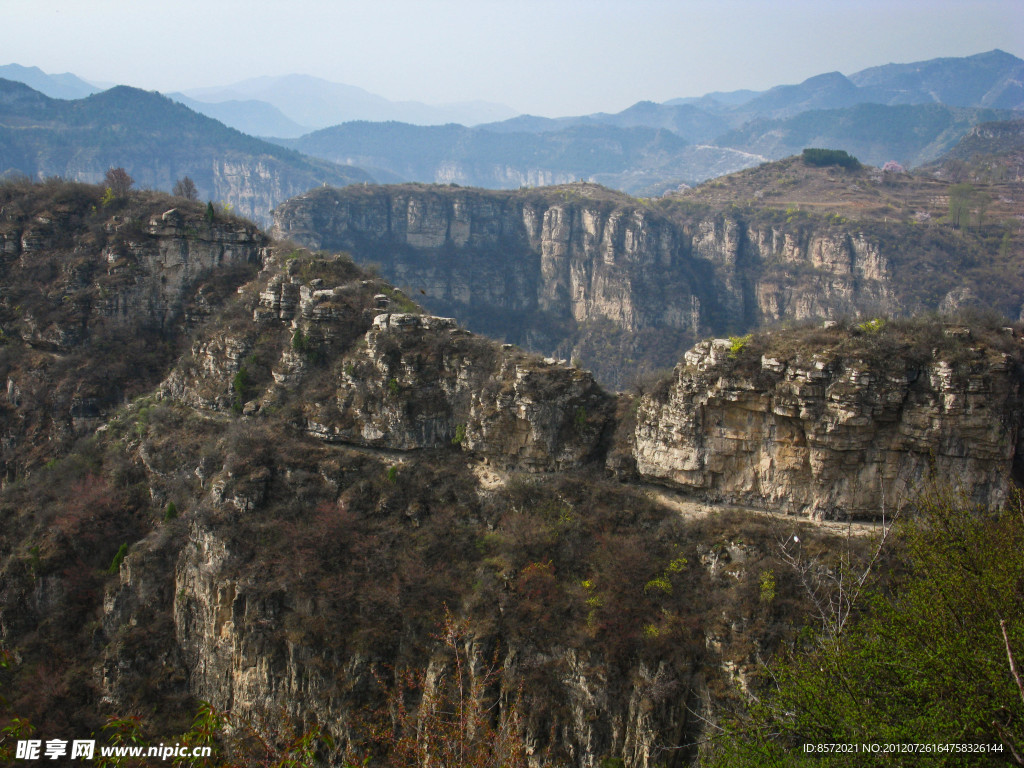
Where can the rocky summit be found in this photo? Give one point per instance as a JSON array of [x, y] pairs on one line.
[[837, 422]]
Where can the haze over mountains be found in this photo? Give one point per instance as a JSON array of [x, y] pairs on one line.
[[287, 106], [910, 113], [158, 142]]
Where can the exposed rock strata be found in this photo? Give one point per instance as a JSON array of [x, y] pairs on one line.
[[834, 432], [318, 441], [414, 381], [81, 280], [432, 384]]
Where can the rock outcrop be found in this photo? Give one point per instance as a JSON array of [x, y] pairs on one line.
[[844, 427], [411, 382], [424, 383], [328, 486]]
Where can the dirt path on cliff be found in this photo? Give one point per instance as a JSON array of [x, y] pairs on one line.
[[492, 479], [689, 507]]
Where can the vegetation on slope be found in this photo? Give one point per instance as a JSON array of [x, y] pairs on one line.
[[81, 326], [350, 562], [930, 673]]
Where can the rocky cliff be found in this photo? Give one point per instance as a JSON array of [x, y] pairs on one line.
[[330, 510], [95, 299], [578, 271], [838, 425], [384, 439]]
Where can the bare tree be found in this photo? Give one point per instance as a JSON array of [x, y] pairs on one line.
[[185, 187], [118, 182], [835, 590]]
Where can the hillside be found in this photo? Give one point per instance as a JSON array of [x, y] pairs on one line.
[[157, 141], [330, 514], [911, 135], [872, 195], [989, 153], [623, 157]]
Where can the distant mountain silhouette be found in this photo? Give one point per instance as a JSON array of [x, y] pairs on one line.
[[318, 103], [66, 86]]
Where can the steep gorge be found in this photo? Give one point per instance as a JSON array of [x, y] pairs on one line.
[[580, 272]]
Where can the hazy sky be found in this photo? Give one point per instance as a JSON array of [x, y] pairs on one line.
[[546, 57]]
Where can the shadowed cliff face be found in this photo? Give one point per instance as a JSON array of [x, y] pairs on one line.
[[581, 272]]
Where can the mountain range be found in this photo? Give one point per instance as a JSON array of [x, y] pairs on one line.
[[287, 106], [909, 113], [254, 498], [310, 103]]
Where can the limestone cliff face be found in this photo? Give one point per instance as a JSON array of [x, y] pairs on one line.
[[174, 251], [834, 432], [545, 268], [499, 250], [424, 383], [248, 650], [400, 381], [144, 265]]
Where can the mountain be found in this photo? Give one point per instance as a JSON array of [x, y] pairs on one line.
[[627, 158], [828, 91], [320, 103], [308, 524], [690, 122], [717, 100], [874, 133], [157, 141], [66, 86], [985, 81], [994, 80], [256, 118]]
